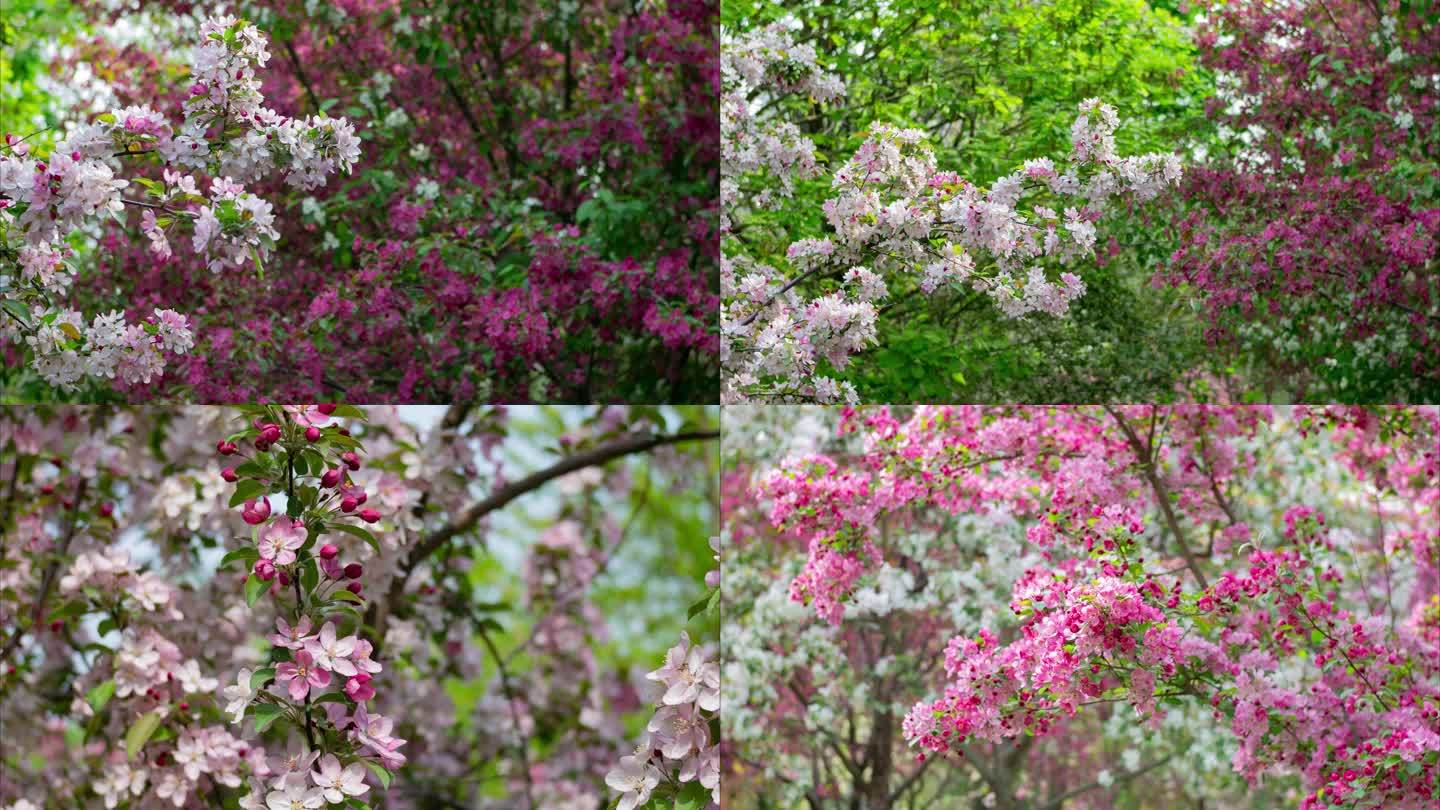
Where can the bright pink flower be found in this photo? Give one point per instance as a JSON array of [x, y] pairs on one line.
[[301, 674], [293, 638], [256, 512]]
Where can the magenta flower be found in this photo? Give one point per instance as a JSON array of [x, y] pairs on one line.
[[280, 540], [256, 512], [301, 674], [359, 688]]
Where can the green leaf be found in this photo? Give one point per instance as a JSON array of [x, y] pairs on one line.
[[254, 586], [140, 732], [363, 534], [264, 714], [17, 309], [347, 596], [245, 490], [248, 555], [260, 676], [100, 695], [309, 575], [707, 603], [380, 773], [692, 797], [348, 412]]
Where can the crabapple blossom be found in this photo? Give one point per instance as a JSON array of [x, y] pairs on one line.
[[280, 540], [295, 797], [337, 782], [301, 674], [635, 779], [332, 653], [240, 694]]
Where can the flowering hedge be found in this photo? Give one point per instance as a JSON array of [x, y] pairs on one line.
[[272, 606], [1231, 604], [531, 214]]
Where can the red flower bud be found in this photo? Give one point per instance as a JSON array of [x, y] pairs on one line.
[[270, 433], [312, 434], [369, 515], [265, 569], [354, 570], [328, 551], [284, 578], [354, 588], [256, 512], [331, 478], [107, 509], [225, 448], [326, 408], [348, 505], [229, 474], [351, 460]]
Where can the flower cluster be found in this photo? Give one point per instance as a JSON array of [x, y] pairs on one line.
[[44, 201], [679, 734]]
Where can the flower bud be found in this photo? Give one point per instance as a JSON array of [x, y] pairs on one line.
[[331, 478], [359, 688], [284, 578], [265, 569], [256, 512], [262, 446], [107, 509], [270, 433], [354, 588], [225, 448], [369, 515], [354, 570], [312, 434], [351, 460], [326, 408], [328, 551], [332, 568], [347, 505], [229, 475]]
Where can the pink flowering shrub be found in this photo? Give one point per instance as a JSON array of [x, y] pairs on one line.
[[1267, 577], [531, 217], [271, 606], [1311, 226]]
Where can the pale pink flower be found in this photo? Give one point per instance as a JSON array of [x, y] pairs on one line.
[[337, 783], [678, 730], [295, 797], [307, 415], [332, 653], [635, 778], [280, 540], [294, 768], [292, 638]]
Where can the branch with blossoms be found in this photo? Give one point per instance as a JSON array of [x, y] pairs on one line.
[[298, 452], [46, 202], [680, 746], [895, 216]]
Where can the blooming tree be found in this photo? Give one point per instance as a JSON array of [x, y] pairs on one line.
[[261, 606], [532, 217], [1214, 578], [1310, 225], [894, 214], [45, 201]]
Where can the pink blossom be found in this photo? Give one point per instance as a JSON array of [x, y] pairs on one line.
[[301, 674]]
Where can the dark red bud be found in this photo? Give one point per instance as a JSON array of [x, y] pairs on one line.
[[312, 434], [354, 570], [354, 588], [326, 408], [229, 474], [369, 515], [328, 551]]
